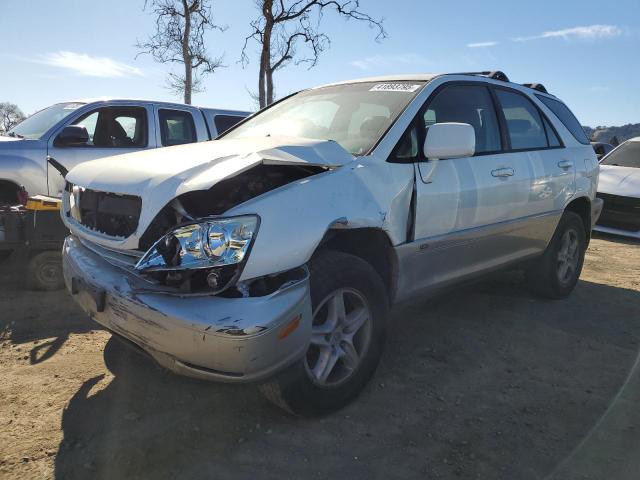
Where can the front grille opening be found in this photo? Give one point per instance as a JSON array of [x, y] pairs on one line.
[[622, 213], [109, 213]]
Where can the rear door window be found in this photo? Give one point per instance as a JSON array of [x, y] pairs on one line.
[[568, 119], [176, 127], [552, 136], [524, 123]]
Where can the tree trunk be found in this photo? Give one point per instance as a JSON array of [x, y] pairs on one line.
[[269, 86], [265, 84], [186, 56], [261, 92]]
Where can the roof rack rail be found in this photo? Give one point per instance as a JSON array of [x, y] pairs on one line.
[[536, 86], [495, 75]]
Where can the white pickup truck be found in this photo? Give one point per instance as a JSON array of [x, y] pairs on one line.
[[77, 131]]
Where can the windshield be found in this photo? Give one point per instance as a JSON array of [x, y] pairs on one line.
[[38, 123], [627, 155], [355, 115]]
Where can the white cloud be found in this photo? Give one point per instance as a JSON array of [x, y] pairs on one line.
[[386, 61], [482, 44], [590, 32], [84, 64]]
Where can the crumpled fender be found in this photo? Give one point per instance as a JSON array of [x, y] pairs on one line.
[[364, 194]]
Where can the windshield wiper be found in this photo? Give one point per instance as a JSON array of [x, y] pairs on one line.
[[15, 135]]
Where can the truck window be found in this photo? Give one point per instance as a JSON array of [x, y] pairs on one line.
[[115, 127], [176, 127], [225, 122], [524, 124]]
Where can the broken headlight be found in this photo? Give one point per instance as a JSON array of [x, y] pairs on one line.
[[209, 252]]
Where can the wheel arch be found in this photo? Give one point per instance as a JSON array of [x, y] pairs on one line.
[[371, 244], [582, 207], [8, 191]]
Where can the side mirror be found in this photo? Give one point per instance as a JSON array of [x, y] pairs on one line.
[[450, 140], [72, 135]]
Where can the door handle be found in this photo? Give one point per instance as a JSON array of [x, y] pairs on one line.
[[565, 164], [503, 172]]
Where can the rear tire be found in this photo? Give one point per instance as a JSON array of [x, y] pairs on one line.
[[44, 271], [350, 306], [555, 274]]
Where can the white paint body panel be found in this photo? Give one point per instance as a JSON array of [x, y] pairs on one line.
[[623, 181]]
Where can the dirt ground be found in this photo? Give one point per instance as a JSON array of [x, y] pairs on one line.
[[485, 381]]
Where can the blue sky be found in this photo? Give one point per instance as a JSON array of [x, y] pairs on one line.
[[586, 52]]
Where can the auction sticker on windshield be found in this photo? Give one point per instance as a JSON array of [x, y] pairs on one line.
[[394, 87]]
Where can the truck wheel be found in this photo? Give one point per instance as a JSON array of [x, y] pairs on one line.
[[350, 307], [555, 274], [44, 271]]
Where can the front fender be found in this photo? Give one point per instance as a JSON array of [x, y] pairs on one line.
[[294, 219]]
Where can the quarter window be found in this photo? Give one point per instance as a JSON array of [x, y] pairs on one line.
[[524, 124], [176, 127], [568, 119], [467, 104]]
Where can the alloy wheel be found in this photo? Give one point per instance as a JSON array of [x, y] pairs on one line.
[[340, 336], [568, 256]]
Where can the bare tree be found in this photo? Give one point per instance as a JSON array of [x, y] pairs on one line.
[[179, 38], [10, 115], [285, 24]]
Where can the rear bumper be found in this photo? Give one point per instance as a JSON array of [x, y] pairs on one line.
[[208, 337]]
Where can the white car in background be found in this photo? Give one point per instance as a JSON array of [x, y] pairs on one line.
[[619, 187]]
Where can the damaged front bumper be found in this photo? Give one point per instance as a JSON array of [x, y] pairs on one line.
[[209, 337]]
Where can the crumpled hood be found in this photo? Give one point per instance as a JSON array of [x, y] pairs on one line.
[[624, 181], [160, 175], [197, 166]]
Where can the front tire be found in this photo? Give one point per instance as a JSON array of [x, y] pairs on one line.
[[555, 274], [350, 306]]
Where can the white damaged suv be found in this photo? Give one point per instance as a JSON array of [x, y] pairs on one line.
[[274, 253]]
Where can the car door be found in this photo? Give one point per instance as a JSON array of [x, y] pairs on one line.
[[463, 206], [534, 144], [113, 130]]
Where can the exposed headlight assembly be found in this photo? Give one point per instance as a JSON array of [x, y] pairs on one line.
[[211, 251]]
